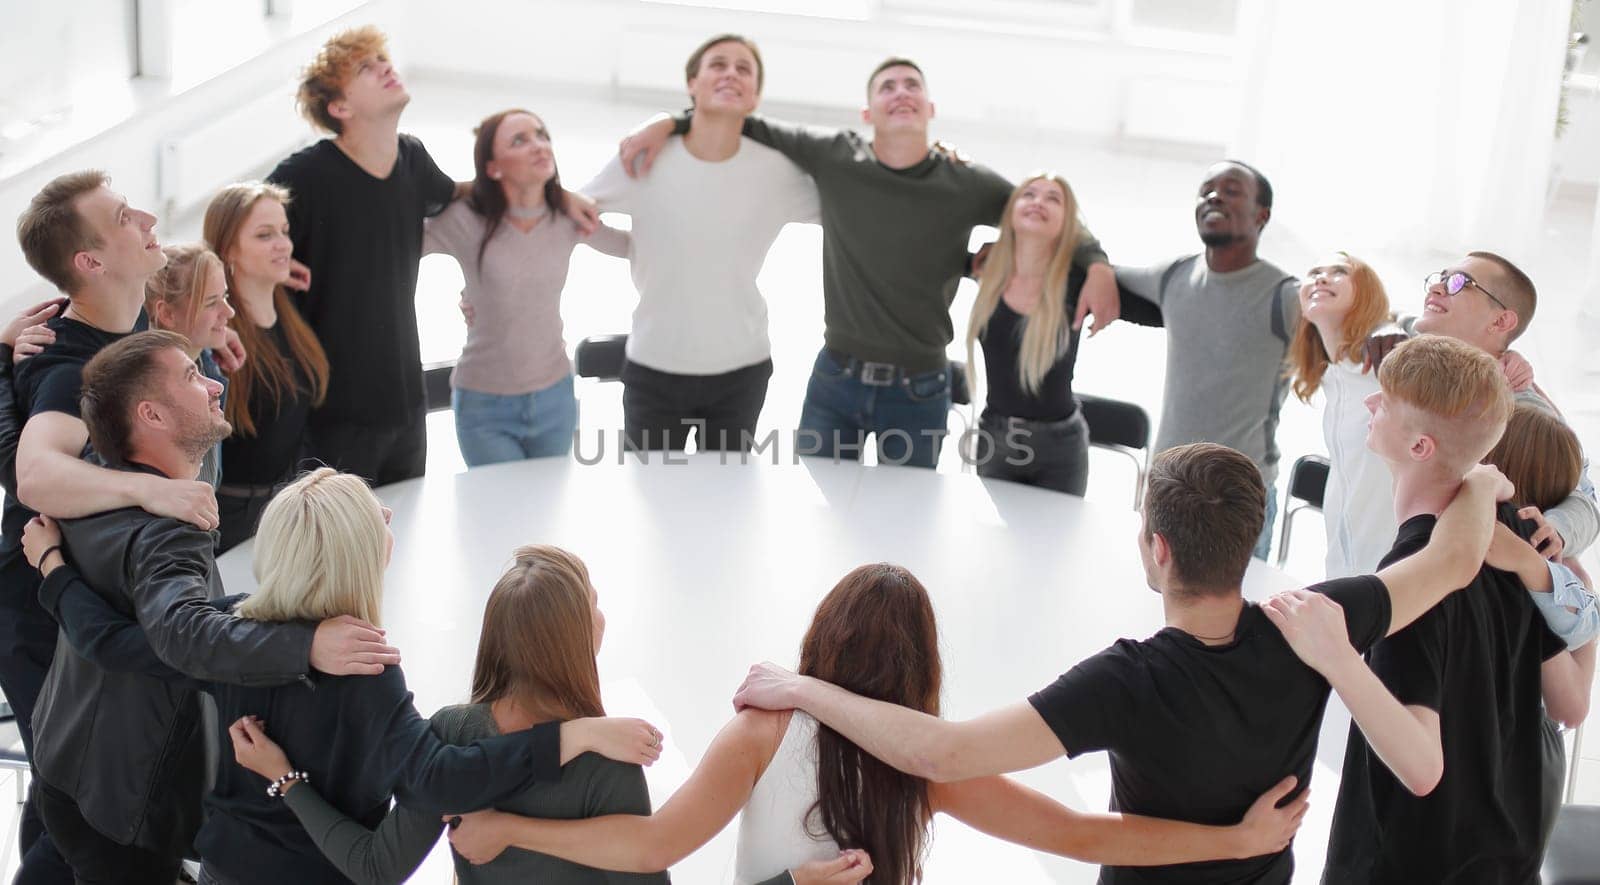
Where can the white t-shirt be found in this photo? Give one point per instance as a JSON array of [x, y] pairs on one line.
[[1358, 506], [700, 234]]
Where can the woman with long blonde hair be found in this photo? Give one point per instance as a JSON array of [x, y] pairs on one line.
[[1033, 430], [286, 375], [320, 553], [1342, 302]]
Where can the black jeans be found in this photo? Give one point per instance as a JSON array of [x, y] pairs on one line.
[[658, 408], [1048, 454], [379, 455], [96, 859]]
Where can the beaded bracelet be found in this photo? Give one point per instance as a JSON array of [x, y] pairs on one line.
[[275, 789]]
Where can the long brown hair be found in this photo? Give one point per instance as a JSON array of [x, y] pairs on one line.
[[874, 634], [488, 197], [1046, 330], [1541, 456], [267, 366], [538, 636], [1308, 359]]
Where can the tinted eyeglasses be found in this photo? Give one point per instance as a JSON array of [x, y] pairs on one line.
[[1455, 281]]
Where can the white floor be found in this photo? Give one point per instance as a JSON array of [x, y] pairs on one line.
[[1137, 203]]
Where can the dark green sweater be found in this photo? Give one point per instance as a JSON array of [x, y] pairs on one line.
[[894, 241]]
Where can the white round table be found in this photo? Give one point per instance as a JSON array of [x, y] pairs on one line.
[[703, 568]]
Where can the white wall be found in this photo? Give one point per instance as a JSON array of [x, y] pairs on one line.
[[130, 149], [1099, 84]]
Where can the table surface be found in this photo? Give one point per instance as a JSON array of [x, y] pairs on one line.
[[703, 568]]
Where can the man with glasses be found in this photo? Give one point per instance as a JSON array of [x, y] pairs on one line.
[[1486, 301]]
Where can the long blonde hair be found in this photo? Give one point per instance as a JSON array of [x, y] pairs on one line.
[[319, 552], [1046, 331], [181, 283]]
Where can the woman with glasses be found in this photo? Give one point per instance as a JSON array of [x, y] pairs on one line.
[[1342, 302]]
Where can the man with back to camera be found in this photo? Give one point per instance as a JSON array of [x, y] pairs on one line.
[[1219, 674], [897, 214]]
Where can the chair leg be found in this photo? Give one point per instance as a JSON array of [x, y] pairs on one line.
[[1283, 537], [1572, 767]]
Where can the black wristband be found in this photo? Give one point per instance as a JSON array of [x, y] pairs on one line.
[[53, 548]]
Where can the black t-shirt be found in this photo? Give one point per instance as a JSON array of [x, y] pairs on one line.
[[273, 452], [1475, 660], [1002, 350], [1197, 732], [362, 238], [50, 382]]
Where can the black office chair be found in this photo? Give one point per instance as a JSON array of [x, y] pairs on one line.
[[1573, 856], [1308, 481], [436, 384], [1120, 427], [601, 357]]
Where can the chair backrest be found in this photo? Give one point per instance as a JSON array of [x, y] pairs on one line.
[[436, 384], [1308, 479], [1115, 423], [601, 356], [960, 389]]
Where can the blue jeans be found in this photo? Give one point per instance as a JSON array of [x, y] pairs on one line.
[[492, 428], [908, 415], [1264, 543]]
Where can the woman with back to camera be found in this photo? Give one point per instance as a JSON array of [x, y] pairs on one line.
[[805, 792], [536, 661], [1342, 302], [1026, 317], [286, 375], [189, 295], [322, 550], [513, 396], [1542, 458]]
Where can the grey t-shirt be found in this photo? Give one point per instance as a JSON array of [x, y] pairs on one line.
[[590, 785], [1227, 339]]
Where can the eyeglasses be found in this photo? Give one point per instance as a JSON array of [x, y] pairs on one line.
[[1455, 281]]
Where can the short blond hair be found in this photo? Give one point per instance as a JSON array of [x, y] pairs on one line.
[[1452, 391], [319, 552], [323, 81]]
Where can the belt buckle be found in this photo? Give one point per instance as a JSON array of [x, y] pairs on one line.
[[878, 374]]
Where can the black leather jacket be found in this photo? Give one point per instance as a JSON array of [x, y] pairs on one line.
[[128, 746]]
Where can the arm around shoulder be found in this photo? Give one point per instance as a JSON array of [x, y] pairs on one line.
[[172, 565], [1454, 552]]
